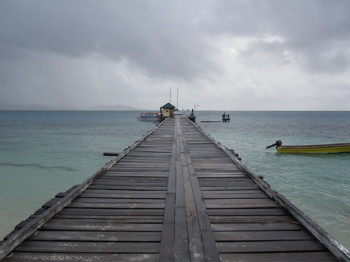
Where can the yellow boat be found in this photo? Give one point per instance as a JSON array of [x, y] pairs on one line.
[[312, 149]]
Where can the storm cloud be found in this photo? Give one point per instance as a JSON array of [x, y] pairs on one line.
[[221, 55]]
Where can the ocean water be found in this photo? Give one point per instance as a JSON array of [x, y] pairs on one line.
[[43, 153], [319, 185]]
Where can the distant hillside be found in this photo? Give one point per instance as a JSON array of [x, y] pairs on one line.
[[114, 107]]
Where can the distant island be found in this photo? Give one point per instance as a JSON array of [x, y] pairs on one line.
[[47, 108], [112, 108]]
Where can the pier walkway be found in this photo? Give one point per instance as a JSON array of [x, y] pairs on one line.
[[175, 195]]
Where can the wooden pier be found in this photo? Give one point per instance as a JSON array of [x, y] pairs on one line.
[[175, 195]]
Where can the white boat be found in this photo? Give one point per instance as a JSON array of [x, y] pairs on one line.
[[149, 117]]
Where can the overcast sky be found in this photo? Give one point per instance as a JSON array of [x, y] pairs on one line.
[[219, 54]]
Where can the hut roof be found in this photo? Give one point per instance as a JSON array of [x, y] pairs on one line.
[[168, 106]]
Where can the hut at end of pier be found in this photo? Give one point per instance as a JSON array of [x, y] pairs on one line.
[[167, 110]]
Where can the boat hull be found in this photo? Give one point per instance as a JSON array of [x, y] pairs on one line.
[[149, 117], [315, 149]]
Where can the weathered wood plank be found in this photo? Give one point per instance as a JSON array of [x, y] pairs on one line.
[[150, 173], [129, 187], [81, 257], [132, 183], [250, 219], [263, 236], [248, 212], [117, 205], [89, 247], [55, 225], [284, 226], [230, 188], [192, 216], [181, 248], [118, 201], [166, 250], [110, 212], [120, 195], [270, 246], [240, 203], [258, 195], [118, 219], [278, 257], [96, 236]]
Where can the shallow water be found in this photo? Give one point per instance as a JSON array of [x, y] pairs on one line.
[[43, 153], [319, 185]]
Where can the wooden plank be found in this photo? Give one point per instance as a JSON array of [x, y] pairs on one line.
[[285, 226], [210, 248], [193, 227], [132, 183], [89, 247], [241, 203], [209, 244], [55, 225], [131, 191], [117, 205], [230, 188], [144, 194], [250, 219], [169, 212], [110, 212], [248, 212], [150, 173], [218, 175], [206, 180], [166, 250], [180, 191], [96, 236], [139, 179], [270, 246], [172, 171], [226, 183], [232, 192], [117, 219], [118, 200], [128, 187], [82, 257], [167, 244], [263, 236], [278, 257], [181, 247], [236, 195]]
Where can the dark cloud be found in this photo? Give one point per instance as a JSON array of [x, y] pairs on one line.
[[160, 37], [316, 30], [66, 52]]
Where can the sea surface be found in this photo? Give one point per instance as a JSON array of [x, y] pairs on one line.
[[43, 153]]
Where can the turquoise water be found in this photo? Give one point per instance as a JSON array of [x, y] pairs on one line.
[[46, 152], [43, 153], [319, 185]]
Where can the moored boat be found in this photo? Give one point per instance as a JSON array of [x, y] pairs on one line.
[[149, 116], [311, 149]]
